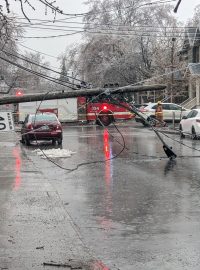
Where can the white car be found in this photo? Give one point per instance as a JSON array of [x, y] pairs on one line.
[[190, 124], [170, 111]]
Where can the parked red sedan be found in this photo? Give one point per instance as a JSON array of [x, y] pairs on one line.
[[41, 126]]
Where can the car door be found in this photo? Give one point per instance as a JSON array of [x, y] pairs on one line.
[[192, 121], [166, 111], [187, 123], [175, 111]]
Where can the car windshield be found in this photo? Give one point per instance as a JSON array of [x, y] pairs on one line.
[[43, 117]]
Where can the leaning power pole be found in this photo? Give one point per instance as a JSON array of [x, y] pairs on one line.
[[79, 93]]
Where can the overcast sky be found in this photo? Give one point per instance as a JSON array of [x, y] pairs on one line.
[[186, 9], [56, 46]]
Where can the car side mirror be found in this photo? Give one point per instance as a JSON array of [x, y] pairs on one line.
[[184, 117]]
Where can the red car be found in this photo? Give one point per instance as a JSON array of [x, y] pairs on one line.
[[41, 126]]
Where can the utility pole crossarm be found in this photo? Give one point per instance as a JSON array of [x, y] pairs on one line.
[[79, 93]]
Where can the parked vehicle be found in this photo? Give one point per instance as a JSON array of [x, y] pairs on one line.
[[171, 111], [102, 110], [65, 109], [190, 124], [96, 109], [41, 126]]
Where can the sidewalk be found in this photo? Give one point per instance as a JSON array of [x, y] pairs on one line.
[[36, 231]]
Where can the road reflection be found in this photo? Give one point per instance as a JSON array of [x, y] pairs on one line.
[[105, 221], [16, 154], [169, 166], [108, 158], [98, 265]]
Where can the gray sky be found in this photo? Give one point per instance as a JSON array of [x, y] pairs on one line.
[[186, 9], [56, 46]]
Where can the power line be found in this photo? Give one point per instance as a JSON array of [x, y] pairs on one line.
[[108, 24], [38, 51], [19, 56], [111, 9], [91, 162], [49, 78], [119, 31], [55, 36], [129, 29], [176, 35]]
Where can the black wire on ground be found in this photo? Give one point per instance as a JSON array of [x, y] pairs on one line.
[[84, 163], [98, 119], [90, 162], [178, 141], [168, 150], [157, 130]]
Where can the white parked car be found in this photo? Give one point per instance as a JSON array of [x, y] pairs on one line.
[[190, 124], [170, 110]]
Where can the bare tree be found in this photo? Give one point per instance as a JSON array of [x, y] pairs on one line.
[[195, 20], [28, 80], [51, 5], [9, 33], [123, 39]]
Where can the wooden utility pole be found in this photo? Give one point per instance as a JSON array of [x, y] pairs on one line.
[[79, 93]]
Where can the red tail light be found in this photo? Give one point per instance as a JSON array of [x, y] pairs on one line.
[[30, 126], [58, 127], [105, 107], [198, 120]]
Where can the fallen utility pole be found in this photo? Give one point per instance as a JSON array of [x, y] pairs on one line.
[[168, 150], [79, 93]]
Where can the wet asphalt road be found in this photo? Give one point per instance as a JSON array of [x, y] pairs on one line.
[[138, 211]]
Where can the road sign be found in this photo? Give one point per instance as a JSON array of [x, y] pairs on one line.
[[6, 121]]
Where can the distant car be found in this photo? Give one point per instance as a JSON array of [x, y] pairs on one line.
[[190, 124], [41, 126], [138, 106], [170, 110]]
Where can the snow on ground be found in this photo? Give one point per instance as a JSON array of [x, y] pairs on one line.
[[54, 153]]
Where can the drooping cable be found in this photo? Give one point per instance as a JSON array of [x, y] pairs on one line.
[[49, 78]]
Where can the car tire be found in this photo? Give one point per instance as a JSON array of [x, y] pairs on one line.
[[53, 141], [27, 141], [152, 120], [104, 120], [194, 135], [59, 141], [145, 124], [23, 140], [182, 136]]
